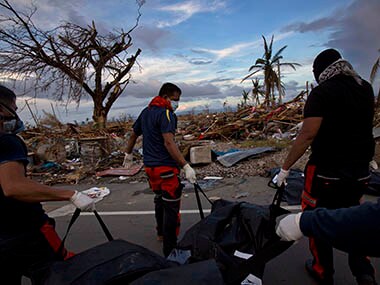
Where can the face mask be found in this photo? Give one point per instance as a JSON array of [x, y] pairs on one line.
[[175, 105], [14, 124]]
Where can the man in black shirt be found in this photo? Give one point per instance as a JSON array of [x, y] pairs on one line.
[[337, 124], [28, 240]]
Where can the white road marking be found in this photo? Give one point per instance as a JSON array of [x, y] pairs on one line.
[[134, 213], [63, 212]]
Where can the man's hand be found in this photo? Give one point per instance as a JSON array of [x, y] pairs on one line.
[[373, 164], [128, 160], [288, 227], [190, 173], [281, 177], [83, 202]]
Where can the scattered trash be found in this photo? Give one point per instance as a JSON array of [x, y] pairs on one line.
[[214, 198], [200, 154], [188, 137], [213, 178], [134, 169], [73, 152], [97, 193], [240, 195]]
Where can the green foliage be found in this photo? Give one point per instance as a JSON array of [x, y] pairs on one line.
[[270, 66]]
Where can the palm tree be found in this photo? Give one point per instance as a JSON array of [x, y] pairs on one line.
[[245, 98], [257, 91], [268, 63], [374, 71]]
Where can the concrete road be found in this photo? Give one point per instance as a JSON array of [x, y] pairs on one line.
[[128, 212]]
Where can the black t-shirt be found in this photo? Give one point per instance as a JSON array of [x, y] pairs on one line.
[[345, 136], [17, 216]]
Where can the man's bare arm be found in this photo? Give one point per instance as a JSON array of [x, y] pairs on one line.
[[173, 150], [16, 185], [304, 139], [131, 142]]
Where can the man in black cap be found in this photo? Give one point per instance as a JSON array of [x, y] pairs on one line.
[[337, 124]]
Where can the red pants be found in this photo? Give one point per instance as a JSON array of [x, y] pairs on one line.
[[29, 254], [330, 190], [165, 183]]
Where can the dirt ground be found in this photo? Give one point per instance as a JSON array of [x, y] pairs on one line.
[[259, 166], [251, 167]]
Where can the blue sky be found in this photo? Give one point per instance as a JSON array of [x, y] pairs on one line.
[[206, 46]]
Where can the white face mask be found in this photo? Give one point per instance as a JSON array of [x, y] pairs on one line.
[[175, 105], [12, 124]]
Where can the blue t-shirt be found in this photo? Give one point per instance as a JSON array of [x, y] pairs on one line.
[[17, 216], [151, 124]]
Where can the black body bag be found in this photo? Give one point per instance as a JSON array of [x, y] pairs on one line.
[[112, 263], [230, 229], [199, 273]]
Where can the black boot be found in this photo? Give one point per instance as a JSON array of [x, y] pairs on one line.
[[366, 279]]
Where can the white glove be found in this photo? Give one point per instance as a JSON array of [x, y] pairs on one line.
[[288, 228], [373, 164], [281, 177], [190, 173], [83, 202], [128, 159]]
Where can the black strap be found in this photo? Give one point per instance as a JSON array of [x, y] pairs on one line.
[[198, 201], [198, 189], [277, 199], [196, 185], [72, 221], [104, 227]]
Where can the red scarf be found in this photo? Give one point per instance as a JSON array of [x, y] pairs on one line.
[[160, 102]]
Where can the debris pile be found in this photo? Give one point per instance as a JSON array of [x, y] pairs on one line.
[[69, 153], [247, 123]]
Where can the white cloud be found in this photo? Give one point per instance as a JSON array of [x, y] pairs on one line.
[[237, 49], [232, 50], [184, 11], [156, 68]]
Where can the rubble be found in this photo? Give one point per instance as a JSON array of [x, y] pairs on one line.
[[73, 153]]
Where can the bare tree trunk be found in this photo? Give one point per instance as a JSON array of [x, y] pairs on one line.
[[267, 100], [279, 84], [99, 115]]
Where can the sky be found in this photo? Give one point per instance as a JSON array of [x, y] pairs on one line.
[[207, 46]]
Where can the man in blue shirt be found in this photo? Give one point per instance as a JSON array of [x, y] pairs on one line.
[[157, 124], [28, 240], [355, 230]]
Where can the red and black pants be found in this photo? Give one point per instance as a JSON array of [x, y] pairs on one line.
[[332, 189], [29, 254], [165, 183]]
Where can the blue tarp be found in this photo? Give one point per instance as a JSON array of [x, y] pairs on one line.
[[232, 158]]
